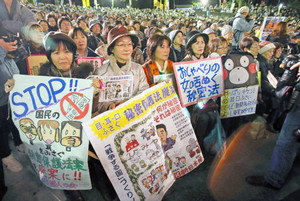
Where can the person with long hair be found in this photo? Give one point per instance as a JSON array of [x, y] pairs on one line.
[[279, 34]]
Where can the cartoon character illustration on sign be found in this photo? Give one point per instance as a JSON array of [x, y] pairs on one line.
[[240, 70], [131, 144], [71, 134], [167, 142], [48, 131], [193, 148], [146, 183], [177, 162], [29, 129]]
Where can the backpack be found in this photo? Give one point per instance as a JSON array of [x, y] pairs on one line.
[[231, 21]]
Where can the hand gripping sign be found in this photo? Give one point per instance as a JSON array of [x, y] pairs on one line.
[[48, 112]]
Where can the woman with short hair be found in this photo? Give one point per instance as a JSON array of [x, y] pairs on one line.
[[158, 50], [120, 45], [196, 46], [218, 47], [81, 40]]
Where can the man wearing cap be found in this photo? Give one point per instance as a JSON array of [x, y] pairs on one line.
[[94, 37], [241, 25]]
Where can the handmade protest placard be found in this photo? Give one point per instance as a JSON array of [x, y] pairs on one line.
[[116, 88], [48, 112], [95, 61], [240, 70], [268, 25], [239, 102], [199, 80], [145, 143], [34, 63]]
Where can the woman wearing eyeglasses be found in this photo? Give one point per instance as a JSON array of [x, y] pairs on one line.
[[218, 47], [120, 47]]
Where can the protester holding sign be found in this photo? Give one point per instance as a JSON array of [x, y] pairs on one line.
[[203, 116], [60, 51], [120, 46], [158, 49]]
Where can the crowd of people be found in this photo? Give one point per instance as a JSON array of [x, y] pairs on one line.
[[145, 43]]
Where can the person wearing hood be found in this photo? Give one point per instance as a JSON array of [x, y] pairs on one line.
[[177, 49], [241, 25]]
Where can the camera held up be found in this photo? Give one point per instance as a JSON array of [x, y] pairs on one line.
[[20, 53]]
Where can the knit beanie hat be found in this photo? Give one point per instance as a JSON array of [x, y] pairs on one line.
[[243, 9], [265, 46]]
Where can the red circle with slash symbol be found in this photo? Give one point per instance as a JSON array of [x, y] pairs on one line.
[[66, 98]]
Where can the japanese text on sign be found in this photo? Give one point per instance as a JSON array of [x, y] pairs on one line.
[[239, 101], [121, 117], [197, 80]]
